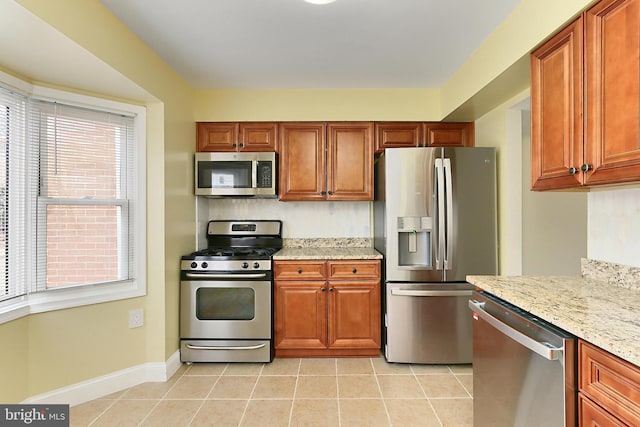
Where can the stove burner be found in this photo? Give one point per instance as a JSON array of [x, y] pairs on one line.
[[236, 252]]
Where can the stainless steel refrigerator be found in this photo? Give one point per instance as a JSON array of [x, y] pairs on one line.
[[435, 222]]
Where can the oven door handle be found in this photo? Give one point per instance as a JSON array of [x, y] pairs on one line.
[[225, 276], [202, 347]]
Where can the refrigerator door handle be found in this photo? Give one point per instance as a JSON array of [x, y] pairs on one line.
[[449, 218], [440, 191]]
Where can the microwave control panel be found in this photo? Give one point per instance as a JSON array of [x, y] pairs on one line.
[[265, 175]]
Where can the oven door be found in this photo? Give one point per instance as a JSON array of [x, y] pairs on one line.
[[225, 309]]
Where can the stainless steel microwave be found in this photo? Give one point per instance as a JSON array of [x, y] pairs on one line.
[[243, 174]]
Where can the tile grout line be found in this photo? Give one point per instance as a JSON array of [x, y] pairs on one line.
[[253, 390], [163, 397], [384, 403], [195, 413], [338, 392], [295, 390], [426, 396], [103, 412]]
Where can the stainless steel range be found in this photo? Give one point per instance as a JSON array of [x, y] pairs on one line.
[[226, 294]]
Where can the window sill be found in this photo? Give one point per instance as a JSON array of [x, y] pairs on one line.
[[60, 299]]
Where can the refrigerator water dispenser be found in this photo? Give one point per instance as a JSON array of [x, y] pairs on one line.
[[414, 241]]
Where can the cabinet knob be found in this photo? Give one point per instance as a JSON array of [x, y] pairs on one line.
[[330, 289], [323, 289], [586, 168], [299, 271], [241, 145], [330, 192], [323, 192], [354, 271], [573, 171], [234, 145]]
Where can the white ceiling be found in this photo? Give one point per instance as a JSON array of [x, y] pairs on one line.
[[272, 44]]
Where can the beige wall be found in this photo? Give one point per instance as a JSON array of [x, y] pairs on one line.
[[554, 233], [539, 232], [54, 341], [68, 346], [317, 104]]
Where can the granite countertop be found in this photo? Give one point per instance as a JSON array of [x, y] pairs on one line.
[[327, 248], [602, 306]]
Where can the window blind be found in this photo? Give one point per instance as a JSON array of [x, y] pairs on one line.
[[67, 196], [85, 195], [14, 222]]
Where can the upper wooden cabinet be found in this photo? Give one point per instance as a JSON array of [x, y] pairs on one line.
[[444, 134], [585, 100], [326, 161], [233, 136], [423, 134], [397, 135]]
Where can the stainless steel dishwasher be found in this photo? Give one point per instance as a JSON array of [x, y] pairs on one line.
[[524, 369]]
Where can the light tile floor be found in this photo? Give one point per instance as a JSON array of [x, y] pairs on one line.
[[341, 392]]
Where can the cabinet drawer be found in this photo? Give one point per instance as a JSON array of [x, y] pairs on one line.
[[611, 382], [299, 270], [347, 270], [591, 415]]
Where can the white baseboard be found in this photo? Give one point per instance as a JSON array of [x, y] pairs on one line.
[[105, 385]]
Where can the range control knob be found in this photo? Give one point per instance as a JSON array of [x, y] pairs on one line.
[[256, 265], [194, 264], [245, 265], [205, 265]]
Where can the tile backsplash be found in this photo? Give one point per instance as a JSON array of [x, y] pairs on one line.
[[300, 219], [614, 226]]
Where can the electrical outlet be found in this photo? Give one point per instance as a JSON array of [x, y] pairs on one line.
[[136, 318]]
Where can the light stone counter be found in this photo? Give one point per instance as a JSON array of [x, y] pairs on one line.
[[602, 306], [326, 248]]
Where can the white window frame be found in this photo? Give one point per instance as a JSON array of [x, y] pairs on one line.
[[62, 298]]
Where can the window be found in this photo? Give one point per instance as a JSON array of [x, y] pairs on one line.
[[71, 201]]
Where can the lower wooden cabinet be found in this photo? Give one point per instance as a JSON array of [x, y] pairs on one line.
[[338, 315], [609, 389], [592, 415]]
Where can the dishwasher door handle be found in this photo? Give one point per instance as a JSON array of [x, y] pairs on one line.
[[544, 350], [419, 293]]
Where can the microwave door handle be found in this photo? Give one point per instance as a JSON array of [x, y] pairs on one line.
[[254, 174], [441, 212]]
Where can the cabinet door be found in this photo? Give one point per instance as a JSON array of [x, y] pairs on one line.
[[612, 383], [556, 110], [591, 415], [300, 314], [350, 161], [302, 161], [613, 92], [212, 136], [443, 134], [258, 136], [354, 314], [397, 135]]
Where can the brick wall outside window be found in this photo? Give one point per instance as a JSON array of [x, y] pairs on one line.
[[81, 242]]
